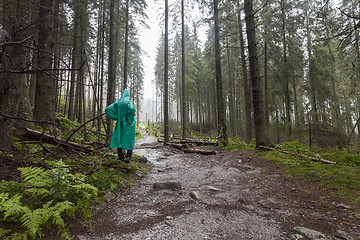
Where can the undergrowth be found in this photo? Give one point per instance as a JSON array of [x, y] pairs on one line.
[[341, 179], [56, 187]]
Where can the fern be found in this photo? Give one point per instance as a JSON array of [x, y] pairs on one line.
[[4, 232], [11, 206], [33, 175], [34, 220], [63, 193]]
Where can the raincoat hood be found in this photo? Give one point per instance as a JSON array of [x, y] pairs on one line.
[[123, 111]]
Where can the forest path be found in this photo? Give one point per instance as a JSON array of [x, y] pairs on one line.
[[230, 195]]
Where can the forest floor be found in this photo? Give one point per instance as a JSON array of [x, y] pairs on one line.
[[230, 195]]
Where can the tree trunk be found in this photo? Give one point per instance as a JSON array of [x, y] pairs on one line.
[[74, 63], [45, 83], [266, 88], [111, 70], [14, 98], [260, 129], [166, 68], [231, 90], [221, 110], [285, 68], [183, 92], [247, 91], [126, 50]]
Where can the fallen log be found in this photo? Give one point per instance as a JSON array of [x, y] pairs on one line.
[[176, 145], [201, 151], [198, 142], [299, 155], [195, 142], [46, 138]]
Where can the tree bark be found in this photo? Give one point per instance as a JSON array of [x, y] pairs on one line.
[[14, 98], [45, 83], [126, 50], [247, 91], [45, 138], [221, 110], [111, 70], [260, 128], [166, 66], [285, 68], [183, 92]]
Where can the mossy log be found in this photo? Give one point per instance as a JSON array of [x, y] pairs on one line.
[[201, 151], [46, 138], [300, 155]]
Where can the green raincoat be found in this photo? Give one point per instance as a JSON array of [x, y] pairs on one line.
[[123, 111]]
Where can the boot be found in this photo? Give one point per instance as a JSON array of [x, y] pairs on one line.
[[121, 154], [128, 156]]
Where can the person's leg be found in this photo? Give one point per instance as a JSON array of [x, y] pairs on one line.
[[128, 155], [120, 154]]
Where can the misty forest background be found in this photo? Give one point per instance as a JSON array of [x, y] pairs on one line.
[[73, 58]]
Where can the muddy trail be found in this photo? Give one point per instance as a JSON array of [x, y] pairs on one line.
[[230, 195]]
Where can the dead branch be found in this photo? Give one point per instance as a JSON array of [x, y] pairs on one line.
[[26, 120], [34, 71], [300, 155], [16, 43], [45, 138], [191, 150], [72, 134]]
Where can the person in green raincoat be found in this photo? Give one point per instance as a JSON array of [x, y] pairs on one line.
[[123, 137]]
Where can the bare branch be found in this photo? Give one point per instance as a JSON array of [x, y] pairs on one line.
[[16, 43], [26, 120], [34, 71]]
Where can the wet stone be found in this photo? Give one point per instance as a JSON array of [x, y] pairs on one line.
[[211, 188], [309, 233], [342, 235], [196, 196], [167, 185], [343, 206]]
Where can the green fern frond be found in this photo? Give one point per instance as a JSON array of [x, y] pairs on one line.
[[42, 192], [30, 173], [87, 188], [13, 207], [63, 206], [3, 197], [4, 232], [32, 221], [17, 236]]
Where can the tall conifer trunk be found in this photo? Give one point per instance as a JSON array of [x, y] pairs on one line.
[[166, 66], [126, 50], [183, 92], [221, 110], [111, 70], [45, 83], [259, 122], [247, 91]]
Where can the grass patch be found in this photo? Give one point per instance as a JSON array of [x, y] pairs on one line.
[[235, 144], [343, 179]]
